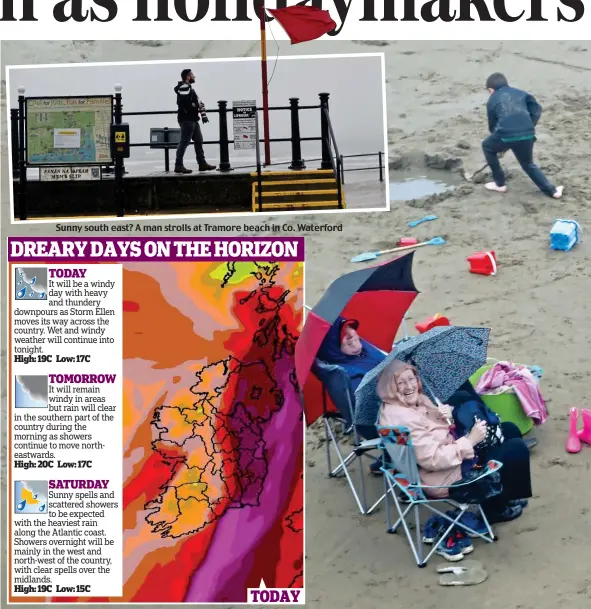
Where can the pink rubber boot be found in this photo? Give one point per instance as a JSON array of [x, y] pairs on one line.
[[585, 433], [573, 444]]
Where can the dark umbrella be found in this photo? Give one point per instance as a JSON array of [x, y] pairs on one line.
[[445, 357], [378, 297]]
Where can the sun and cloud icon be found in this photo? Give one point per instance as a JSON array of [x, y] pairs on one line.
[[30, 497]]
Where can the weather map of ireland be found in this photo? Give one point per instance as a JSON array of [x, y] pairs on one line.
[[157, 432], [69, 130], [213, 432]]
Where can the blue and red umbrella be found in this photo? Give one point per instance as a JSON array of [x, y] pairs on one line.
[[378, 297]]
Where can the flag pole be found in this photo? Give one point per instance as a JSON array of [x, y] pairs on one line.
[[265, 89]]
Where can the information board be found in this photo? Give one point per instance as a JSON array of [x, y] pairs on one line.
[[244, 116], [69, 130]]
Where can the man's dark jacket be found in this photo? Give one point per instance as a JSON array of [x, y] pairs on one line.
[[512, 113], [187, 102]]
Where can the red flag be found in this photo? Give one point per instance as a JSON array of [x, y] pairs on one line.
[[303, 23]]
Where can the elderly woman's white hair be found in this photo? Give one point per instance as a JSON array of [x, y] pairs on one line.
[[387, 388]]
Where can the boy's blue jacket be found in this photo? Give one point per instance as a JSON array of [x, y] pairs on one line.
[[512, 113]]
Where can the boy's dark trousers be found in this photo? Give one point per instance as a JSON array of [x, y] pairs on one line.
[[523, 150]]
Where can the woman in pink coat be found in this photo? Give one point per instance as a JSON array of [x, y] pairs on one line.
[[439, 455]]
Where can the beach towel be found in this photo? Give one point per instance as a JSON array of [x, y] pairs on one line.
[[504, 376]]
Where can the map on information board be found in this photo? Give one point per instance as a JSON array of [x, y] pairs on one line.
[[65, 130]]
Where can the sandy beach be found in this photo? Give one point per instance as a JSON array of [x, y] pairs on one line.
[[537, 305]]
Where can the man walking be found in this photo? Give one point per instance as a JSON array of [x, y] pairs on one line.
[[512, 118], [190, 109]]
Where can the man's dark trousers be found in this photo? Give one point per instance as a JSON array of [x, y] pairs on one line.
[[190, 131], [523, 151]]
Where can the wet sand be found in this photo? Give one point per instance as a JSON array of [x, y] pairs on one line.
[[537, 305]]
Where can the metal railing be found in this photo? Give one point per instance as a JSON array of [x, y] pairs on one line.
[[223, 142], [330, 158], [335, 161]]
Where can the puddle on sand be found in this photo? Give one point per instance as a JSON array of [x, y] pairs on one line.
[[405, 186]]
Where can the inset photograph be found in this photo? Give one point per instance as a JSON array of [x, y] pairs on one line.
[[196, 137]]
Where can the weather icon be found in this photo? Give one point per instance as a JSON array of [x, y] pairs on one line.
[[30, 497], [30, 391], [30, 283]]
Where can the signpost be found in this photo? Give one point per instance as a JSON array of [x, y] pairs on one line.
[[244, 114], [75, 174]]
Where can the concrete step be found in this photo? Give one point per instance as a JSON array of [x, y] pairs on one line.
[[299, 196], [292, 206], [307, 174], [302, 194], [295, 185]]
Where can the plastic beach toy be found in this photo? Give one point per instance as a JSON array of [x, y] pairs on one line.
[[573, 444], [585, 433], [373, 255], [425, 219], [406, 241], [483, 263], [432, 322], [565, 234]]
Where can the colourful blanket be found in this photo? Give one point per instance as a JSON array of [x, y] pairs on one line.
[[505, 375]]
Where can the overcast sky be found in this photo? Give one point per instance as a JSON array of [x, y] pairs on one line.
[[355, 85]]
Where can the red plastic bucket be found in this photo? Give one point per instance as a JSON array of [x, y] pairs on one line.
[[483, 263], [432, 322]]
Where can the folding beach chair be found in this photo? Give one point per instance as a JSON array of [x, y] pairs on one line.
[[337, 386], [397, 444]]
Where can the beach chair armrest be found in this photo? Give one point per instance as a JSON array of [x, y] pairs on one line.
[[367, 446], [491, 467], [400, 481]]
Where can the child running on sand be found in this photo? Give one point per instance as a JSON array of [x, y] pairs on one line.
[[512, 118]]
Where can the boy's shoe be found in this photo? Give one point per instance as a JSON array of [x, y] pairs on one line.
[[558, 193], [434, 527], [492, 186], [472, 520], [181, 169], [450, 549], [463, 541], [206, 167]]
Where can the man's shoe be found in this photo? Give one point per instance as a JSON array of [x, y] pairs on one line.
[[508, 514], [206, 167], [182, 170]]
